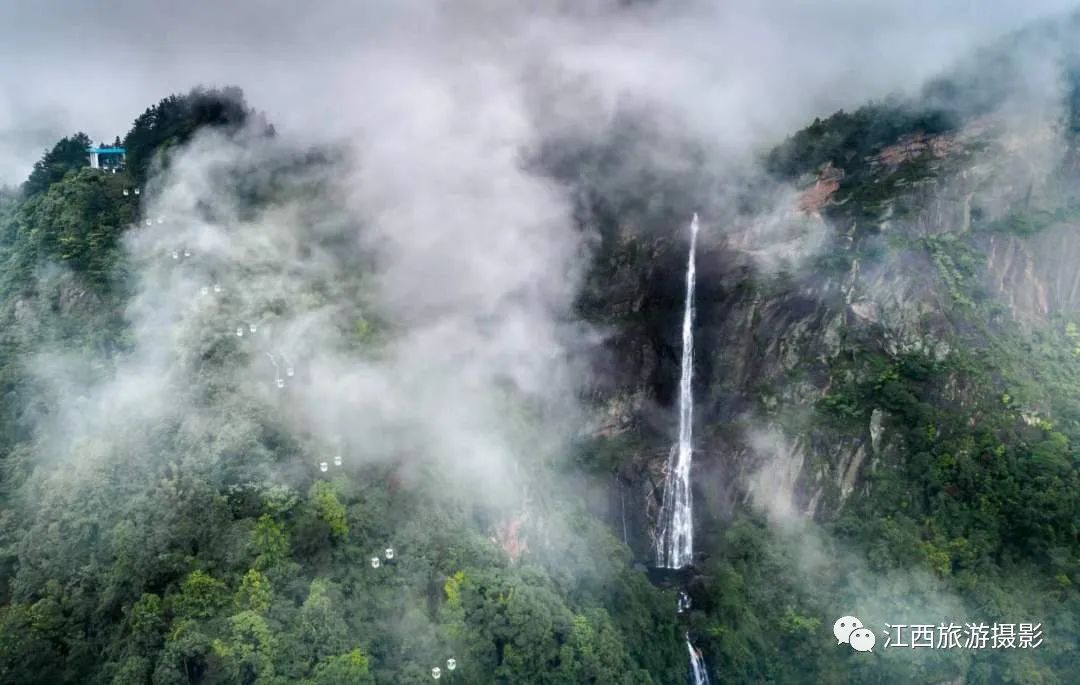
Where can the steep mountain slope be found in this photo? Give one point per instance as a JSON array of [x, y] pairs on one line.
[[208, 476], [165, 515], [886, 379]]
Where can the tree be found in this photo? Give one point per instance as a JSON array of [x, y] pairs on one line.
[[255, 592], [270, 541], [329, 508], [67, 155], [248, 655], [321, 630], [78, 220], [173, 121], [200, 595], [346, 669]]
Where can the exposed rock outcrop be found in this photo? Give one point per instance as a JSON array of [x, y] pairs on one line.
[[768, 330]]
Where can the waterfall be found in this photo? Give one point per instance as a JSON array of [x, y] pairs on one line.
[[699, 675], [675, 539], [622, 500], [675, 542], [682, 603]]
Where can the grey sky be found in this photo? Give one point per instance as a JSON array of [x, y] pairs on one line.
[[743, 69]]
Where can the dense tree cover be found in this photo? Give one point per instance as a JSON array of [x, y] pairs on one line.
[[189, 546], [175, 119], [846, 139], [69, 154], [193, 548], [970, 509], [77, 223], [971, 513], [178, 580]]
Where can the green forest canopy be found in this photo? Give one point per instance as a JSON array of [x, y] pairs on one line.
[[191, 568]]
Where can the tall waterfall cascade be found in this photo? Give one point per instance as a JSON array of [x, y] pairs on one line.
[[675, 539], [699, 675]]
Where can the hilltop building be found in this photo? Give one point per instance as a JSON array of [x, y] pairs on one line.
[[107, 158]]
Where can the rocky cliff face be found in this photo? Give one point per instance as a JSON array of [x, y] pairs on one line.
[[887, 274], [1037, 276]]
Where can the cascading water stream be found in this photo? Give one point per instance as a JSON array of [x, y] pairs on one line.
[[622, 500], [675, 542], [699, 675]]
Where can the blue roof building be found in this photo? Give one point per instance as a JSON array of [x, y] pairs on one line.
[[107, 158]]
